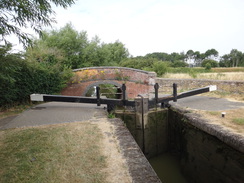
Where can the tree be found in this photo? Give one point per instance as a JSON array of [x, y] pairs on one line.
[[211, 54], [76, 50], [212, 63], [19, 78], [234, 59], [17, 14], [179, 63], [190, 57]]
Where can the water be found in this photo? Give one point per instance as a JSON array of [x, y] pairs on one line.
[[167, 168]]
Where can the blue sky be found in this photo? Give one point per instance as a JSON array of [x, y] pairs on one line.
[[147, 26]]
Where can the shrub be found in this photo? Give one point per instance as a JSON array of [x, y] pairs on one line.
[[19, 78], [208, 66], [179, 63], [160, 67], [212, 63]]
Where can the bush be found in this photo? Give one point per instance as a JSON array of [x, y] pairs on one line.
[[212, 63], [179, 63], [19, 79], [208, 66], [160, 67]]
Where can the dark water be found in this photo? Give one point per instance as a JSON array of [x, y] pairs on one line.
[[167, 168]]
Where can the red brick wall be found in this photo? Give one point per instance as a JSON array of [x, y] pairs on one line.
[[136, 81]]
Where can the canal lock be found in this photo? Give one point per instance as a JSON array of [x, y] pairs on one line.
[[179, 151]]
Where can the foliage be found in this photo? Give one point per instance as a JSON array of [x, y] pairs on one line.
[[147, 63], [167, 57], [208, 66], [186, 70], [17, 14], [212, 63], [138, 62], [19, 78], [73, 49], [179, 63], [234, 59], [160, 67]]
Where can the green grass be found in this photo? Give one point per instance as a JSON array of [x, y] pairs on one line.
[[68, 153], [239, 121]]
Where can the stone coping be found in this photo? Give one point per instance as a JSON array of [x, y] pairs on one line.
[[235, 141], [113, 67], [139, 168]]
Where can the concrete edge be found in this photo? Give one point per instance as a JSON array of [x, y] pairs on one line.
[[139, 168], [235, 141]]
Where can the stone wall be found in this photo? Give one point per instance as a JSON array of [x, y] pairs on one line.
[[155, 130], [188, 84], [207, 152]]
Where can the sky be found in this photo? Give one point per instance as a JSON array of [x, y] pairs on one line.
[[147, 26]]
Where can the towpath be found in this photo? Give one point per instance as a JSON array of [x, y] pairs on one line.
[[208, 103], [53, 113]]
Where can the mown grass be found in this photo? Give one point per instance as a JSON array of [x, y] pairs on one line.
[[65, 153]]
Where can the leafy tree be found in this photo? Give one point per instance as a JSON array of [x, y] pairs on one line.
[[159, 55], [211, 54], [17, 14], [113, 53], [20, 78], [212, 63], [139, 63], [179, 63], [77, 50], [198, 58], [234, 59], [225, 61], [190, 57]]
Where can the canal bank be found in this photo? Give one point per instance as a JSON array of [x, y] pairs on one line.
[[205, 152]]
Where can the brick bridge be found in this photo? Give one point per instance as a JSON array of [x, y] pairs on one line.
[[137, 81]]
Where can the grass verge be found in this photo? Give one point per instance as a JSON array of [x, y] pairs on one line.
[[239, 121], [61, 153], [14, 110], [233, 120]]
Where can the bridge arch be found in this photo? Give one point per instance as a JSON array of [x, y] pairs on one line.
[[98, 83], [137, 81]]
